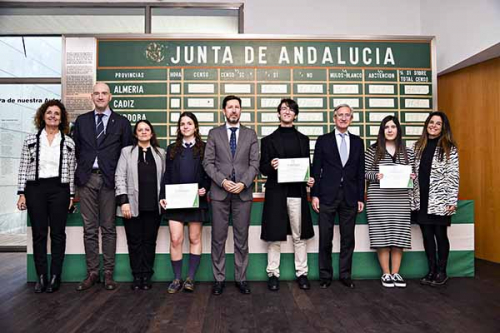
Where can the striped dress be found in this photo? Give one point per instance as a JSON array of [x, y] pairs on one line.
[[387, 209]]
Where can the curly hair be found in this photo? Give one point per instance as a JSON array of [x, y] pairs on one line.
[[40, 113]]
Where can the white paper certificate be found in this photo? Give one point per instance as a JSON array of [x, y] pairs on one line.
[[396, 176], [182, 196], [293, 170]]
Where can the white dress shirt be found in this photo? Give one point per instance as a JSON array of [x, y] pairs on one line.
[[338, 138], [49, 155], [229, 132]]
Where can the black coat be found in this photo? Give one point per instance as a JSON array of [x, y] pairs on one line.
[[118, 135], [173, 174], [328, 171], [275, 220]]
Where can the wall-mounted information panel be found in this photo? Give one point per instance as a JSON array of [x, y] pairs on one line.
[[158, 78]]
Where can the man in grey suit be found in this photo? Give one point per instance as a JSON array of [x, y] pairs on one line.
[[232, 161]]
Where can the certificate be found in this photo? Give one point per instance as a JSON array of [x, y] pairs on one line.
[[182, 196], [293, 170], [396, 176]]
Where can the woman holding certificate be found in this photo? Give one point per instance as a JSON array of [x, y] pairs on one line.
[[184, 158], [436, 196], [138, 177], [388, 200]]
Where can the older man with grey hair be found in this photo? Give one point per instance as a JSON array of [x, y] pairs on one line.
[[339, 171]]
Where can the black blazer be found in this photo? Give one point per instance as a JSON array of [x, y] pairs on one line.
[[118, 135], [327, 170], [275, 219], [173, 174]]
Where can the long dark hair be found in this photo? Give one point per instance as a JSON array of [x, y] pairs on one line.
[[198, 148], [445, 141], [153, 141], [40, 113], [380, 147]]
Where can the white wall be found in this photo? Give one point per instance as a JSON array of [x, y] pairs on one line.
[[333, 17], [463, 28]]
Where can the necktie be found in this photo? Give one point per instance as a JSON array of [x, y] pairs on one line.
[[100, 129], [232, 145], [343, 149], [188, 144], [232, 140]]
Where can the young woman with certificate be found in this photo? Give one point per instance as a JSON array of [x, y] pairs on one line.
[[388, 209], [184, 158]]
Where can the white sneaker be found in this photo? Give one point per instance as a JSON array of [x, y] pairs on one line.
[[387, 281], [398, 281]]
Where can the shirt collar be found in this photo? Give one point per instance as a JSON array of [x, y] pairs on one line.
[[337, 132], [235, 126], [106, 112], [57, 136], [191, 142]]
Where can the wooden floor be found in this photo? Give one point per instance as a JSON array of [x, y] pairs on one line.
[[463, 305]]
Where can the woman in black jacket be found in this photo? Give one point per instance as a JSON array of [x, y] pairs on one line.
[[184, 158], [46, 189]]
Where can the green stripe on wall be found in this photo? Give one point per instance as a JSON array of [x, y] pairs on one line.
[[465, 214], [365, 266]]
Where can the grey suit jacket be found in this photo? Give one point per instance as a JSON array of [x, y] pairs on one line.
[[219, 163], [127, 178]]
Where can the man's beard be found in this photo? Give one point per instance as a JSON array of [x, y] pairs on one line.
[[231, 121]]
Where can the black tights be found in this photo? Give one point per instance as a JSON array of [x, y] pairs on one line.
[[433, 234]]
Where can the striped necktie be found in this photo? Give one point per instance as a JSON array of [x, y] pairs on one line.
[[100, 129]]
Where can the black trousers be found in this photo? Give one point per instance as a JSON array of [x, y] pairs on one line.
[[432, 235], [48, 202], [347, 223], [142, 232]]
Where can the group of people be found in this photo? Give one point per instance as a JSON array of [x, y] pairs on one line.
[[120, 171]]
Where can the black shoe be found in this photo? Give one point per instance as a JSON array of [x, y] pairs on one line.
[[218, 288], [273, 283], [427, 280], [303, 282], [146, 283], [136, 284], [243, 287], [41, 284], [323, 284], [441, 279], [54, 284], [347, 282]]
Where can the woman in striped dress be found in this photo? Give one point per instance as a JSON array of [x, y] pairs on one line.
[[388, 209]]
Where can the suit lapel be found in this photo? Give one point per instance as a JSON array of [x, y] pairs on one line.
[[351, 149], [225, 140], [240, 140], [110, 126], [335, 148], [92, 126]]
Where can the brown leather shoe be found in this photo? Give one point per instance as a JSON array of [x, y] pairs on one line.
[[90, 280], [109, 283]]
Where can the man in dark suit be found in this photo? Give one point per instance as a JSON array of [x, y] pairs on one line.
[[339, 171], [99, 136], [232, 162], [286, 210]]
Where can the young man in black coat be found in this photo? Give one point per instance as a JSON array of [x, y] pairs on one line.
[[286, 210]]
